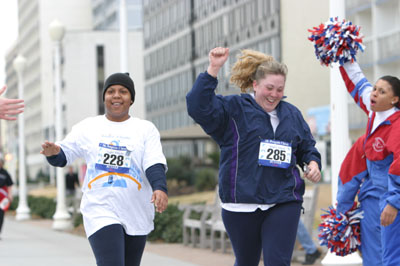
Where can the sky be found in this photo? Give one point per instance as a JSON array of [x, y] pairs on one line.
[[8, 31]]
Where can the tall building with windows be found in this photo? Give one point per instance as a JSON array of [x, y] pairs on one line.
[[178, 35], [106, 14], [87, 57]]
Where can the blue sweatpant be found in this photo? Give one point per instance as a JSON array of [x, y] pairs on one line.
[[371, 247], [391, 243], [273, 231], [113, 247]]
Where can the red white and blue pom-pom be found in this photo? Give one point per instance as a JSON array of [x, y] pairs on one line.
[[341, 232], [336, 41]]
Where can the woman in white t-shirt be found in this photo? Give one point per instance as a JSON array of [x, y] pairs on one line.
[[125, 175]]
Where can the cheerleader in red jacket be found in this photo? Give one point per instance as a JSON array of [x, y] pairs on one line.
[[372, 166]]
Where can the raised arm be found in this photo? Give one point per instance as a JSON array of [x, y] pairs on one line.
[[357, 85], [54, 154], [203, 105]]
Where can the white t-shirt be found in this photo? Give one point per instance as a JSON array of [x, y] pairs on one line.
[[121, 193]]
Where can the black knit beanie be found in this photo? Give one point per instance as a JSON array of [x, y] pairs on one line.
[[122, 79]]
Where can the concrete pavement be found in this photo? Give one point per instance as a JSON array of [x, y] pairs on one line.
[[26, 243], [35, 243]]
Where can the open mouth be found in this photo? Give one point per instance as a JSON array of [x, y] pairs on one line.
[[373, 102], [270, 100]]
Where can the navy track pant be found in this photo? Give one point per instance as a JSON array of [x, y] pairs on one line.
[[113, 247], [273, 231]]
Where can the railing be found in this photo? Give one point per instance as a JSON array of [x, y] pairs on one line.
[[367, 57], [388, 46], [353, 4]]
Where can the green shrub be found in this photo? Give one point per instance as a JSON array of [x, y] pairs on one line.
[[14, 204], [214, 157], [206, 179], [40, 206], [78, 220], [180, 169], [168, 225]]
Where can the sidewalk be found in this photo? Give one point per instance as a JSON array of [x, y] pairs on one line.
[[34, 243]]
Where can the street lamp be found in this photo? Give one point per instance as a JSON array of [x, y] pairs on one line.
[[23, 212], [61, 217], [123, 38]]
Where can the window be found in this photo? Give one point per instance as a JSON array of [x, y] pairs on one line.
[[148, 94], [146, 30]]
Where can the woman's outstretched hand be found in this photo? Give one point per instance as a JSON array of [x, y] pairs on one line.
[[10, 107], [50, 149]]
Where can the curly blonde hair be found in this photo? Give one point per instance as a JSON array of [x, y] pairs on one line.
[[253, 65]]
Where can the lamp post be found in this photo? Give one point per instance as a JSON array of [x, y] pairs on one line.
[[61, 217], [123, 32], [23, 212], [340, 140]]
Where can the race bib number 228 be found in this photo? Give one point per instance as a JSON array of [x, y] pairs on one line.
[[112, 158]]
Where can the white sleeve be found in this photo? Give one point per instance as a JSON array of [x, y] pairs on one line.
[[153, 153], [70, 144], [357, 85]]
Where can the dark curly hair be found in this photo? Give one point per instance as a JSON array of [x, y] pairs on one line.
[[395, 84]]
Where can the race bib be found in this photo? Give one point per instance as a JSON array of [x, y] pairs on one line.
[[112, 158], [275, 153]]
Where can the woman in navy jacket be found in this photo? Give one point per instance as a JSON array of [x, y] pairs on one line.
[[261, 138]]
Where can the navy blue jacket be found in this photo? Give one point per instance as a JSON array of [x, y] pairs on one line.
[[237, 123]]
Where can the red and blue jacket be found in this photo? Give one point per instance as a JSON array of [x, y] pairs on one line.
[[238, 124], [374, 159]]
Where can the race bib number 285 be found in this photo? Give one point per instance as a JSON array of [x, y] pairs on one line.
[[275, 153]]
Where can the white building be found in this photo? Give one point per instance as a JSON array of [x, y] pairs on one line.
[[35, 45], [88, 57]]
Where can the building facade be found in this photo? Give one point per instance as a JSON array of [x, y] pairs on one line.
[[178, 35], [87, 58], [35, 45]]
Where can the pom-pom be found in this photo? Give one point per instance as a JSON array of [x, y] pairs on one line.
[[341, 232], [336, 41], [4, 201]]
